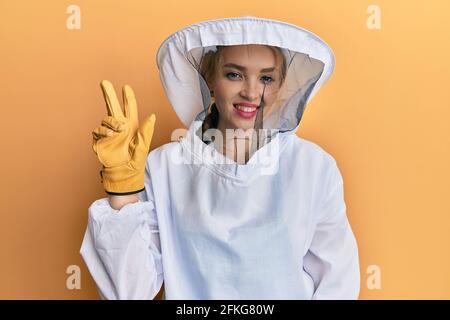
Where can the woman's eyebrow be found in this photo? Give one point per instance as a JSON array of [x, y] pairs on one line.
[[242, 68]]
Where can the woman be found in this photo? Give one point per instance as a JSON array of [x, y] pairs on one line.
[[240, 207]]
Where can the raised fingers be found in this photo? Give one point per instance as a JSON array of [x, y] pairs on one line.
[[112, 103], [130, 105]]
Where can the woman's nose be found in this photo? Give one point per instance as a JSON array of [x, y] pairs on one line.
[[251, 91]]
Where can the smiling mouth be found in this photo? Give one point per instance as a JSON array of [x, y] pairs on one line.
[[245, 109], [245, 112]]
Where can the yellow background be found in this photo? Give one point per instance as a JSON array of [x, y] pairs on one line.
[[384, 115]]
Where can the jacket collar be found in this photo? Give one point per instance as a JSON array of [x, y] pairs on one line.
[[265, 161]]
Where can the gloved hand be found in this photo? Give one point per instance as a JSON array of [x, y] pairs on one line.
[[121, 146]]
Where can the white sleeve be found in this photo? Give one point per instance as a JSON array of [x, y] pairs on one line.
[[121, 249], [332, 259]]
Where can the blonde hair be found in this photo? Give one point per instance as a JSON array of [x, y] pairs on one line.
[[208, 67]]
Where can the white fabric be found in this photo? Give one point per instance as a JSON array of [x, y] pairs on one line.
[[237, 233], [274, 228]]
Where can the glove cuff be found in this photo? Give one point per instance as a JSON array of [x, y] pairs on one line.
[[132, 184], [123, 193]]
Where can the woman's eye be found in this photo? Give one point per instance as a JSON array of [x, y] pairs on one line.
[[232, 75], [267, 79], [235, 75]]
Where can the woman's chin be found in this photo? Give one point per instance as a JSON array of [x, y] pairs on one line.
[[244, 125], [239, 123]]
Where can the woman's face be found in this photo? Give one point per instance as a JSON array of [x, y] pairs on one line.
[[241, 75]]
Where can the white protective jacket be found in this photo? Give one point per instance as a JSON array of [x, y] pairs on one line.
[[273, 228]]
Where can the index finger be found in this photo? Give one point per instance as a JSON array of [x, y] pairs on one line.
[[112, 103]]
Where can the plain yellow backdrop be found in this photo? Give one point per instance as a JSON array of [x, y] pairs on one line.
[[384, 116]]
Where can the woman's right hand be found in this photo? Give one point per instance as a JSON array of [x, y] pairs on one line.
[[120, 144]]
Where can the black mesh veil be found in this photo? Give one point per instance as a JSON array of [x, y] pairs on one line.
[[284, 114]]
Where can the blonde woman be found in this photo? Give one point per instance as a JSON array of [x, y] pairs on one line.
[[239, 207]]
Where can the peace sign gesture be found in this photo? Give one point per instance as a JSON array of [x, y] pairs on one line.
[[120, 144]]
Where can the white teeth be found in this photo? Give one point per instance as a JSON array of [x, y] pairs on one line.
[[245, 109]]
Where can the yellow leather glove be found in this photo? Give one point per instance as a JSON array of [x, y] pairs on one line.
[[120, 144]]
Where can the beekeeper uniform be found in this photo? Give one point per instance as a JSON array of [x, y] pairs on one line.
[[210, 228]]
